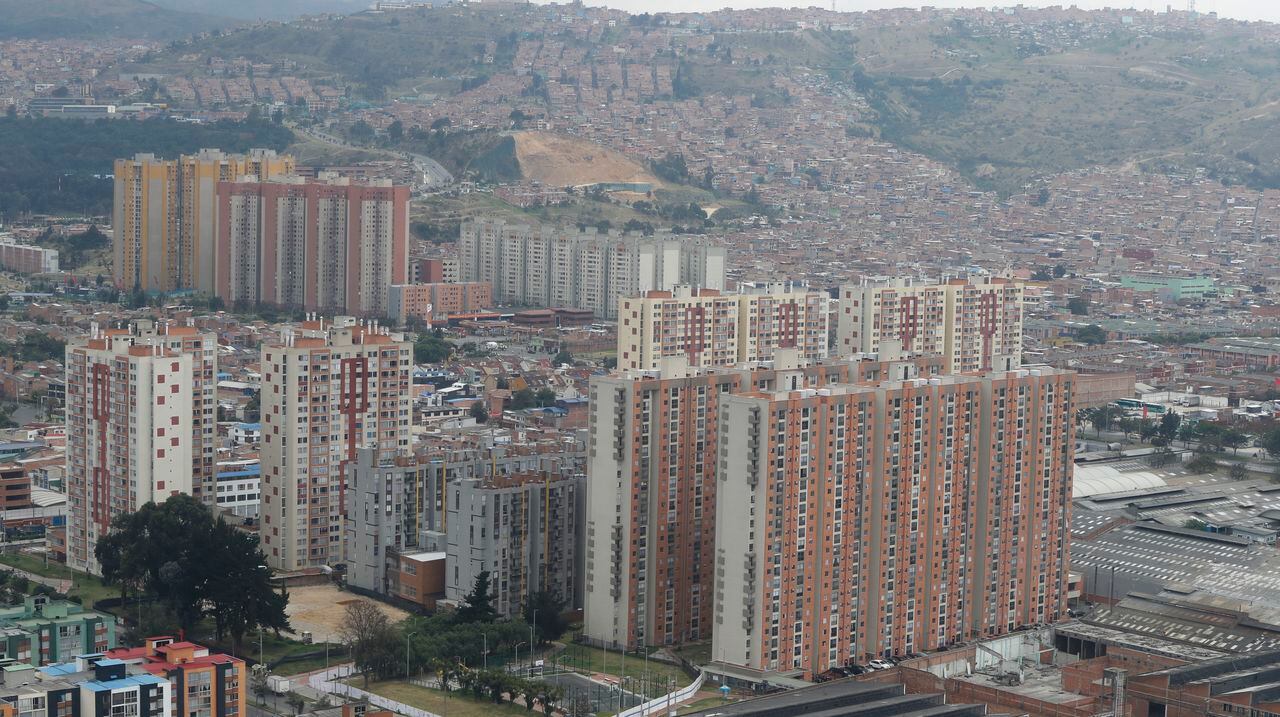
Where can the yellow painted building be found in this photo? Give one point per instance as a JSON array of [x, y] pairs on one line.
[[165, 215]]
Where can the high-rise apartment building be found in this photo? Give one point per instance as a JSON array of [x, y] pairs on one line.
[[328, 390], [878, 519], [165, 215], [327, 245], [652, 490], [400, 506], [975, 322], [523, 529], [710, 328], [556, 267], [140, 426]]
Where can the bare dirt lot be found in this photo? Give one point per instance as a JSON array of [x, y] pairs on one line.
[[558, 161], [319, 608]]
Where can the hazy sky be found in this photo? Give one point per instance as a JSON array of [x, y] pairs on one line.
[[1241, 9]]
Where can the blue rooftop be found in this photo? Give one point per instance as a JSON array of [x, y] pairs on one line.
[[246, 472], [130, 681], [249, 426]]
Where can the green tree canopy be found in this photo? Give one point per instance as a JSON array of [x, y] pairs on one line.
[[1091, 334], [195, 564], [477, 606]]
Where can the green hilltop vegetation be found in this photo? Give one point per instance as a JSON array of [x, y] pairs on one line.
[[48, 168], [1004, 112], [379, 53], [1003, 109], [43, 19]]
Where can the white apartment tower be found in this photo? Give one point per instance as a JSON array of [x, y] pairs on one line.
[[328, 390], [137, 430], [710, 328], [974, 322], [550, 266]]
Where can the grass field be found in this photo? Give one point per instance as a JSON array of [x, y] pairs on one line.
[[89, 588], [702, 704], [452, 704]]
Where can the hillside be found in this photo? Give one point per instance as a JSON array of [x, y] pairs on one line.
[[1004, 103], [1005, 113], [558, 161], [132, 19], [379, 53], [259, 10]]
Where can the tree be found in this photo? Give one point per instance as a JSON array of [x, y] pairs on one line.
[[259, 686], [1059, 271], [395, 132], [253, 407], [432, 348], [477, 606], [524, 398], [361, 132], [564, 357], [1091, 334], [479, 412], [1169, 425], [546, 397], [368, 634], [296, 703], [242, 597], [1271, 442], [1202, 464], [1188, 432], [1237, 471], [546, 614], [195, 564], [1041, 274], [1235, 439], [1078, 306], [1102, 418]]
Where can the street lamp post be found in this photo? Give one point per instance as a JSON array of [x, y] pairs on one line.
[[485, 655], [531, 640], [406, 655]]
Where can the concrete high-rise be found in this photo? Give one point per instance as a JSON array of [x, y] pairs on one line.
[[328, 389], [887, 518], [140, 426], [165, 215], [551, 266], [523, 528], [328, 245], [711, 328], [975, 322], [652, 488]]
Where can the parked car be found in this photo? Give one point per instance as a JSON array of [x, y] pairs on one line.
[[879, 664]]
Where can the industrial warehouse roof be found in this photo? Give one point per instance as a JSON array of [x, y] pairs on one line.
[[1096, 479]]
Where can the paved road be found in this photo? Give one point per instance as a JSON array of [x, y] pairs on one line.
[[432, 175]]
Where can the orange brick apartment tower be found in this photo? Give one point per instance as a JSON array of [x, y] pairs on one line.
[[327, 245], [652, 491], [327, 390], [861, 521]]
